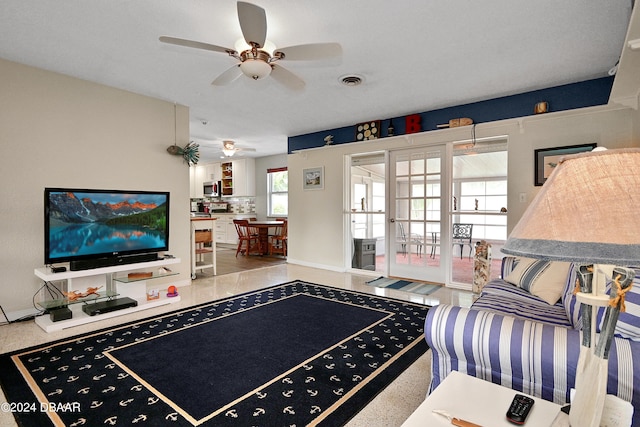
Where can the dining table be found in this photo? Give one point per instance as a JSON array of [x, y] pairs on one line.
[[263, 232]]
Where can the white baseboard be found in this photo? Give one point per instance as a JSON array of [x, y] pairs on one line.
[[314, 265]]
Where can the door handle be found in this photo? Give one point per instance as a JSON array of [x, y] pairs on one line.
[[392, 220]]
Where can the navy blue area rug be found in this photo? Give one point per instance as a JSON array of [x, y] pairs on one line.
[[292, 354]]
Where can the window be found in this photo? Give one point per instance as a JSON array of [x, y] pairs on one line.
[[278, 192]]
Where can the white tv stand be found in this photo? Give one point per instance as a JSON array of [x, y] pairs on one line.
[[110, 286]]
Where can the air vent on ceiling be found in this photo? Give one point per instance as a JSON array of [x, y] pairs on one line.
[[351, 80]]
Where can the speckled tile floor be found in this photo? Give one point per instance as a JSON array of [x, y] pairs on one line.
[[390, 408]]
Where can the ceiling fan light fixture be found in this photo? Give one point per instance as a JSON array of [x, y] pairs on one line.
[[255, 68], [228, 153], [255, 63]]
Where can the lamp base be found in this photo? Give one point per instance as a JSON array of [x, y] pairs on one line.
[[588, 403]]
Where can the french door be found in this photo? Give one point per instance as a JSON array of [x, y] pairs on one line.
[[417, 183]]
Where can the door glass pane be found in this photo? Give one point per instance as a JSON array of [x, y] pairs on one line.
[[417, 164], [402, 208], [402, 166], [378, 203], [417, 190], [433, 189], [432, 211], [433, 165], [417, 209], [402, 187], [359, 195]]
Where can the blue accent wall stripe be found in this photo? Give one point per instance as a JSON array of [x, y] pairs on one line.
[[560, 98]]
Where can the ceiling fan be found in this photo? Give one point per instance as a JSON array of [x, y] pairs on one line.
[[256, 62], [229, 148]]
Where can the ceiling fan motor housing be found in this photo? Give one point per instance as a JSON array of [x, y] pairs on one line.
[[255, 63]]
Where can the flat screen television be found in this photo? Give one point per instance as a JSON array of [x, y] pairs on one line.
[[95, 228]]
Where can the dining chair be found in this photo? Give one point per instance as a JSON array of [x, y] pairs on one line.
[[247, 236], [432, 242], [278, 240], [402, 239], [413, 238], [462, 237]]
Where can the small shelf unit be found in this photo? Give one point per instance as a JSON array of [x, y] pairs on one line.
[[109, 285], [203, 245], [227, 179]]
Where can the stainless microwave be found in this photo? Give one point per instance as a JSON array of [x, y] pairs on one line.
[[212, 189]]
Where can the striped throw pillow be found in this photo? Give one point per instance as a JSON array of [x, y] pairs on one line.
[[544, 279]]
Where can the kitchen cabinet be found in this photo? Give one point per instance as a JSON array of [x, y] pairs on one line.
[[239, 178], [197, 176], [226, 229], [213, 172], [200, 174]]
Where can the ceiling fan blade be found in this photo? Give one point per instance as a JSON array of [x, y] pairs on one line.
[[228, 76], [306, 52], [287, 78], [195, 44], [245, 149], [253, 23]]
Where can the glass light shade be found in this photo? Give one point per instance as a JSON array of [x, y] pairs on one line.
[[587, 211], [255, 68], [228, 153]]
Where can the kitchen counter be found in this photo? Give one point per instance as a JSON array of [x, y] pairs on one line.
[[195, 215], [226, 229]]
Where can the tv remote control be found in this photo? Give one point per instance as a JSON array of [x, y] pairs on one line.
[[519, 409]]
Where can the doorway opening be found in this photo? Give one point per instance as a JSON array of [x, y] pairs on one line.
[[478, 205], [404, 206], [367, 202]]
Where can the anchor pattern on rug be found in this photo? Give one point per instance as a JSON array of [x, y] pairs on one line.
[[78, 370]]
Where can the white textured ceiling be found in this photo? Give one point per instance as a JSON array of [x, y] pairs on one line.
[[414, 55]]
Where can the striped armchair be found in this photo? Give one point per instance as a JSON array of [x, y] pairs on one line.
[[515, 339]]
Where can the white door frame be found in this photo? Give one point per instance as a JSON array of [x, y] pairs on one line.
[[409, 255]]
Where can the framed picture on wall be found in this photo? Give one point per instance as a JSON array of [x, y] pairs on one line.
[[313, 178], [546, 159]]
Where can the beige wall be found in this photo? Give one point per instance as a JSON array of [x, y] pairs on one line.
[[317, 227], [58, 131]]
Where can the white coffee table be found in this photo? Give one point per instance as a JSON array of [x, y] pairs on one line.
[[478, 401]]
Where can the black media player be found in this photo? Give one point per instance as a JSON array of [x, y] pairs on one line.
[[109, 305], [58, 314]]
